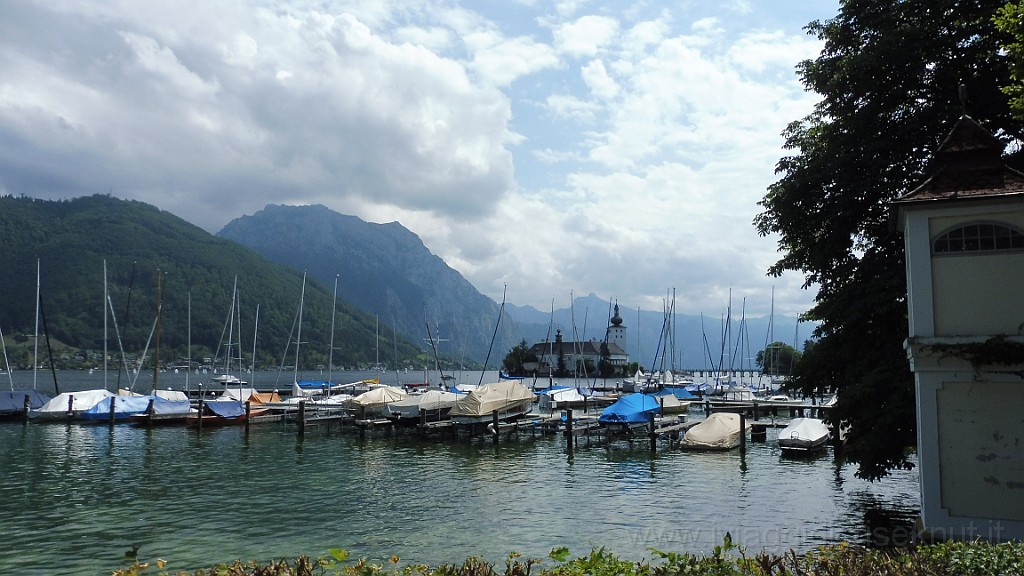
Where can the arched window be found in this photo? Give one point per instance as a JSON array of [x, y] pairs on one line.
[[979, 237]]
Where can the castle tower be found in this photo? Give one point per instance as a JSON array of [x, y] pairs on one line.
[[616, 333]]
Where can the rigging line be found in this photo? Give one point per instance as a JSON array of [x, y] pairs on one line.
[[501, 310]]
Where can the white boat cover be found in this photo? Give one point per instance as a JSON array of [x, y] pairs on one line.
[[804, 433], [721, 431], [378, 397], [81, 400], [671, 404], [487, 398], [241, 394], [172, 395], [431, 401]]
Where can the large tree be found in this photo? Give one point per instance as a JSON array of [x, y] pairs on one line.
[[889, 78]]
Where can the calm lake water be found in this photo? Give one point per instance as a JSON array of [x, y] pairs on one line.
[[74, 498]]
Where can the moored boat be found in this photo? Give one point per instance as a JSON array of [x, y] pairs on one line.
[[433, 405], [509, 398], [720, 431], [803, 436], [630, 411]]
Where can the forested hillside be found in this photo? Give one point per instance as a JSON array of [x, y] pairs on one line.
[[72, 239]]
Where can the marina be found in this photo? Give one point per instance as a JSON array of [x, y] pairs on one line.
[[86, 494]]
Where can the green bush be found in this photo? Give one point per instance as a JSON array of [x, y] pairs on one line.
[[727, 559]]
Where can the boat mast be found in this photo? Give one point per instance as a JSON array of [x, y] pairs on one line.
[[255, 338], [6, 363], [298, 333], [35, 356], [105, 318], [330, 350], [156, 349]]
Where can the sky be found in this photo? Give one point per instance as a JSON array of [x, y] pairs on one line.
[[540, 148]]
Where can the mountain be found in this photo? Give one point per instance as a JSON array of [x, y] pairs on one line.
[[72, 239], [384, 269]]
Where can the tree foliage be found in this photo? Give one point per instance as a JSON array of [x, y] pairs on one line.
[[888, 77], [778, 358], [517, 357]]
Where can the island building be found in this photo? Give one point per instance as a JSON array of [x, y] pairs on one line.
[[964, 235], [547, 353]]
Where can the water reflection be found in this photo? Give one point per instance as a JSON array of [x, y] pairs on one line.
[[89, 493]]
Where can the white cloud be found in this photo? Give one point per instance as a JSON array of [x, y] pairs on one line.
[[608, 147]]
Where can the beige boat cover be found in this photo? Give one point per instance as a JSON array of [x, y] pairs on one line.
[[721, 431], [490, 397], [431, 400], [378, 397], [264, 397]]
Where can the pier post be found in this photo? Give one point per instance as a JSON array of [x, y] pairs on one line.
[[707, 407], [150, 411], [494, 423], [248, 414], [302, 418], [27, 407], [201, 399], [757, 413], [71, 406], [423, 419], [113, 407], [743, 432], [568, 424], [652, 433]]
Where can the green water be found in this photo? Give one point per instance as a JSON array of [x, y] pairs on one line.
[[75, 498]]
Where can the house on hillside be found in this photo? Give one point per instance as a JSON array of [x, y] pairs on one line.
[[964, 236], [589, 351]]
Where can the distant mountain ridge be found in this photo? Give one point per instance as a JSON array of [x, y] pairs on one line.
[[384, 269]]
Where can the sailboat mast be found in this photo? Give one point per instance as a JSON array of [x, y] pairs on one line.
[[298, 333], [330, 351], [105, 318], [6, 363], [255, 338], [156, 349], [35, 355]]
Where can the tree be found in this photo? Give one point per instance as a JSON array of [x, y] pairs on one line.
[[516, 358], [888, 77], [1010, 21], [777, 358]]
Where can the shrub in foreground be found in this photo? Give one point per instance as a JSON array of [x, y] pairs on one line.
[[727, 559]]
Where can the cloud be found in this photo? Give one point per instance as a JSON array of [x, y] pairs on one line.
[[589, 145]]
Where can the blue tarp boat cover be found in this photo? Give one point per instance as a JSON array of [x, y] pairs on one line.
[[681, 393], [226, 408], [165, 406], [633, 408], [14, 400], [124, 406], [314, 384]]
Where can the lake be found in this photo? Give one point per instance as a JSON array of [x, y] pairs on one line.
[[74, 498]]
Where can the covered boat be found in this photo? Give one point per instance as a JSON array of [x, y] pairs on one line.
[[12, 402], [509, 398], [372, 402], [803, 436], [127, 408], [674, 400], [630, 410], [720, 431], [558, 397], [69, 404], [221, 413], [436, 405]]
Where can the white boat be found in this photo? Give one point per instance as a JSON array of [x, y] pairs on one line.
[[720, 431], [509, 398], [803, 436]]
